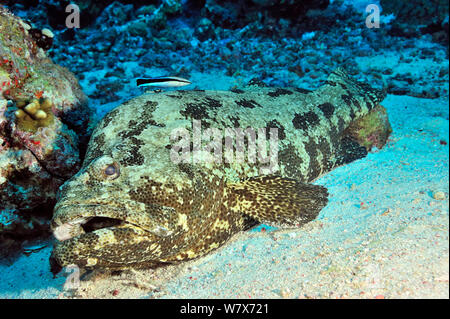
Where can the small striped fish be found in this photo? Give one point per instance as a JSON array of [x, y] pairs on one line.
[[162, 81]]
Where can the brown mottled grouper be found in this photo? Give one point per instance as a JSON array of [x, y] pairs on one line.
[[133, 205]]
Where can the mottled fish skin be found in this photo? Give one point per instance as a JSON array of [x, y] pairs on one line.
[[176, 212]]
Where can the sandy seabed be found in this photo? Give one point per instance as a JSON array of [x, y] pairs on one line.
[[384, 234]]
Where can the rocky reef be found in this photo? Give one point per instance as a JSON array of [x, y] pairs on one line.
[[44, 123], [419, 16]]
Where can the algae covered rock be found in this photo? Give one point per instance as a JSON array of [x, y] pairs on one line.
[[44, 121], [371, 130]]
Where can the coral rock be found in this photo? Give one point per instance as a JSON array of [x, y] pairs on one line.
[[44, 121]]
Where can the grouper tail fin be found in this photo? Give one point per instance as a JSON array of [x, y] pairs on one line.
[[277, 201]]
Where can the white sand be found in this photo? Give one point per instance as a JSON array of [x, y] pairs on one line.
[[382, 235]]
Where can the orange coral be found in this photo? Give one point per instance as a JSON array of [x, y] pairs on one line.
[[39, 94]]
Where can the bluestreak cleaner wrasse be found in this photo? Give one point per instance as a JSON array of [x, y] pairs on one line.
[[163, 81]]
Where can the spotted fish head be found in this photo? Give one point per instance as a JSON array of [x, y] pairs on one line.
[[130, 204], [100, 191], [98, 211]]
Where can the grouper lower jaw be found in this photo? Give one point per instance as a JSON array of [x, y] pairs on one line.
[[112, 247]]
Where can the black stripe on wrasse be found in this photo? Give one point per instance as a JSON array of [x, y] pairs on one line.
[[163, 81]]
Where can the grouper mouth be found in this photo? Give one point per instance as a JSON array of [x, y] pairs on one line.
[[98, 235], [72, 221], [95, 223]]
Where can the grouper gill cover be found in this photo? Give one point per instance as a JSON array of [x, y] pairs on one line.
[[131, 205]]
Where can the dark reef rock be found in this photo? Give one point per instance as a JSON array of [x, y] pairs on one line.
[[420, 12], [430, 16], [232, 14], [90, 9]]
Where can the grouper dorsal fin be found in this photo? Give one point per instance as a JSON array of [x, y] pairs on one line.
[[277, 201], [340, 76]]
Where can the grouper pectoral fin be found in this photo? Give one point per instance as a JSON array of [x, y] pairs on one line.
[[277, 201]]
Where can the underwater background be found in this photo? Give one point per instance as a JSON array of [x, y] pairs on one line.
[[384, 232]]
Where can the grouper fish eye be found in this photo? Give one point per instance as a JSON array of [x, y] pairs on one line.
[[112, 170], [131, 205]]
